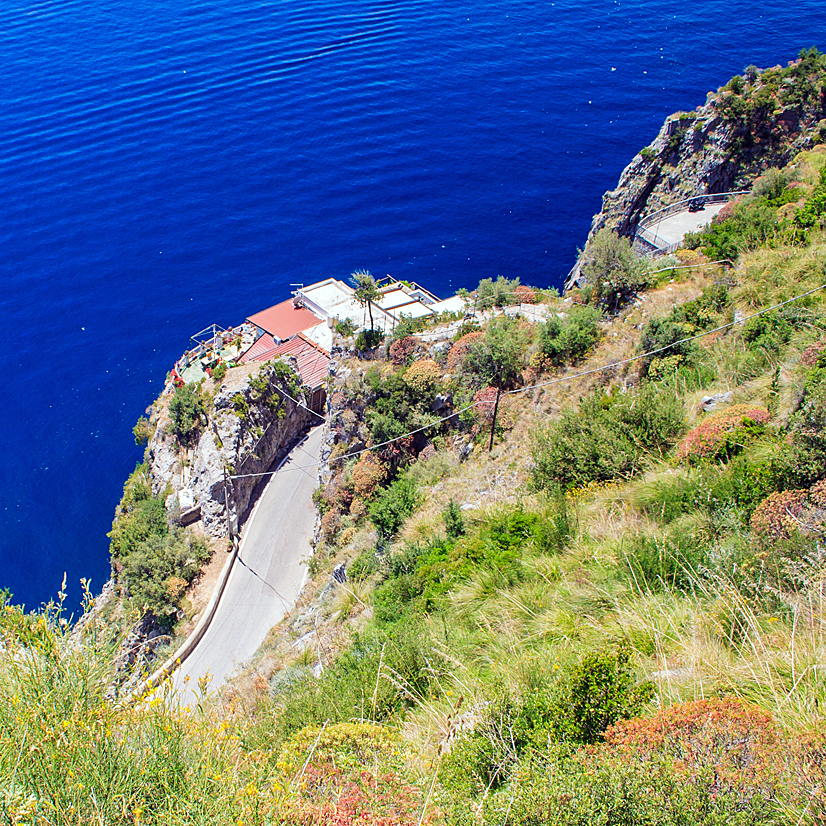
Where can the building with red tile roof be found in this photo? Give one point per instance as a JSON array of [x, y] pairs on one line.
[[312, 361], [285, 320]]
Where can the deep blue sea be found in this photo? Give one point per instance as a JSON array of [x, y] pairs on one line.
[[166, 165]]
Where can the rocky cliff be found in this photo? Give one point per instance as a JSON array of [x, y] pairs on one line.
[[252, 421], [757, 120]]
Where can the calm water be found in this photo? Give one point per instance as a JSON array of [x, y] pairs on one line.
[[166, 165]]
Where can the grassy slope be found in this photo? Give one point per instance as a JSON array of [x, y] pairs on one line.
[[489, 662]]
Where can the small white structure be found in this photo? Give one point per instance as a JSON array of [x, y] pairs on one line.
[[335, 301]]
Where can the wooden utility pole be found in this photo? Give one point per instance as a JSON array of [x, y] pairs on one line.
[[493, 423]]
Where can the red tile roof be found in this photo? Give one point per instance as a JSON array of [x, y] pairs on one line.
[[262, 346], [284, 320], [313, 361]]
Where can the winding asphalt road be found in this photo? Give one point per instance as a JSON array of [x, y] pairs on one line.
[[267, 576]]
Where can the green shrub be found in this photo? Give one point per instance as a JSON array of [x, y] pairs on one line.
[[393, 505], [581, 447], [416, 576], [159, 568], [345, 327], [498, 356], [240, 405], [603, 786], [595, 692], [612, 269], [399, 406], [813, 211], [143, 431], [807, 428], [570, 340], [766, 466], [752, 224], [138, 516], [770, 331], [573, 707], [771, 185], [378, 676], [512, 725], [369, 339], [155, 562], [499, 293], [664, 337], [607, 438], [454, 521], [363, 566], [219, 371], [188, 411]]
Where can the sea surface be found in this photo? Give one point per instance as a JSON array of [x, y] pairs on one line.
[[166, 165]]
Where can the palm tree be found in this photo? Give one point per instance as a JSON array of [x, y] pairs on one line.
[[366, 291]]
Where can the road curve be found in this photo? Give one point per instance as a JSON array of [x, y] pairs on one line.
[[267, 575]]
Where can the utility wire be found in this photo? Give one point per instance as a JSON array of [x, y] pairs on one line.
[[667, 346], [300, 404], [691, 266], [374, 447], [560, 379]]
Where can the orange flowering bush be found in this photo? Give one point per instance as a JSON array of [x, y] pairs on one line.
[[368, 474], [787, 512], [737, 741], [811, 353], [403, 349], [334, 787], [332, 798], [485, 401], [525, 295], [330, 523], [460, 349], [720, 434], [422, 375]]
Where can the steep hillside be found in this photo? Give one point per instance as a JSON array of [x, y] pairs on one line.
[[570, 570]]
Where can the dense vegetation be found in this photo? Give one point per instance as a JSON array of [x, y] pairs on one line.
[[615, 617], [153, 559]]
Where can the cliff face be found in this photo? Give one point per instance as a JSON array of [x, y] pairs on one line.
[[251, 425], [756, 121]]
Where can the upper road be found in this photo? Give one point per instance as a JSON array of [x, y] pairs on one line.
[[267, 575], [672, 228]]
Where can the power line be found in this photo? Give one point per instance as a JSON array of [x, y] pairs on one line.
[[691, 266], [373, 447], [667, 346], [300, 404], [559, 380]]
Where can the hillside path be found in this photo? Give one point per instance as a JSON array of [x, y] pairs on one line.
[[267, 576]]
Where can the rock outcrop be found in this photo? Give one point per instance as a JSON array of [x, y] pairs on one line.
[[253, 422], [756, 121]]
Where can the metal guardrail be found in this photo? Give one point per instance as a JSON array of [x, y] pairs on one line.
[[648, 240], [644, 234], [682, 206]]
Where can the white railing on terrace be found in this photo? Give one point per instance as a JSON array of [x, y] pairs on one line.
[[213, 344]]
